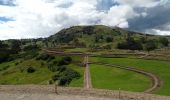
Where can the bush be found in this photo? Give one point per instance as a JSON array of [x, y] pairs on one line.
[[52, 67], [65, 61], [67, 76], [164, 41], [30, 70], [109, 39], [50, 82], [31, 47], [4, 68], [130, 44], [64, 81], [16, 63], [55, 77], [150, 45], [45, 57]]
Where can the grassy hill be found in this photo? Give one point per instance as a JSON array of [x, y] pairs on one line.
[[105, 37]]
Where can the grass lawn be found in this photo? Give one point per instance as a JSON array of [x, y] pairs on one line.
[[113, 78], [160, 68], [77, 82]]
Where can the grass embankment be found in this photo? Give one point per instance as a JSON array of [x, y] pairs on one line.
[[17, 72], [160, 68], [77, 82], [105, 77]]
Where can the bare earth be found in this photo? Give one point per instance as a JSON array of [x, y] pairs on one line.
[[47, 92], [52, 96]]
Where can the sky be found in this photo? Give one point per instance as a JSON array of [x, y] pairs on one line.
[[42, 18]]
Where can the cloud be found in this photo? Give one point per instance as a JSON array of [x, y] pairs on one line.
[[42, 18], [139, 3]]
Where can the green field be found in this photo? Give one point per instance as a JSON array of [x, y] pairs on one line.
[[113, 78], [160, 68]]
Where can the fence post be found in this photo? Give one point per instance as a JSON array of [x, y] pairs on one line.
[[56, 91], [119, 94]]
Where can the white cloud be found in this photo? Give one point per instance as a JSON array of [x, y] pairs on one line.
[[118, 15], [159, 32], [42, 18]]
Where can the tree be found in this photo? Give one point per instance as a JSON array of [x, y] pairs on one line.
[[30, 70], [131, 44], [150, 45], [109, 39], [15, 46], [164, 41]]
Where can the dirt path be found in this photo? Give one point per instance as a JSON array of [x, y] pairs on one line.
[[156, 82], [47, 92], [87, 77]]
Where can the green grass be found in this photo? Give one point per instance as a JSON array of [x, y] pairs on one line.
[[113, 78], [77, 82], [17, 74], [162, 69], [77, 50]]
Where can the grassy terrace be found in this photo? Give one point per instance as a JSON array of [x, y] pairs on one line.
[[113, 78], [77, 82], [17, 74], [162, 69]]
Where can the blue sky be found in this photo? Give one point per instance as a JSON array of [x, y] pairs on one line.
[[42, 18]]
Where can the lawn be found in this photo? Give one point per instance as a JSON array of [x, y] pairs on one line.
[[104, 77], [160, 68]]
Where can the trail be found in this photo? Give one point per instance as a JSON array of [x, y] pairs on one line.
[[156, 82], [87, 77]]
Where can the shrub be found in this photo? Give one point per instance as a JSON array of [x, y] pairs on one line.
[[55, 77], [52, 68], [45, 57], [130, 44], [67, 76], [30, 70], [4, 68], [50, 82], [31, 47], [64, 81], [164, 41], [61, 68], [109, 39], [150, 45], [65, 61], [16, 63]]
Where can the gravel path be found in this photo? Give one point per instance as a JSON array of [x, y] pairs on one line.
[[52, 96], [47, 92], [87, 77]]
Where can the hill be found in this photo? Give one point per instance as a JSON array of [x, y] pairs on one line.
[[104, 37]]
